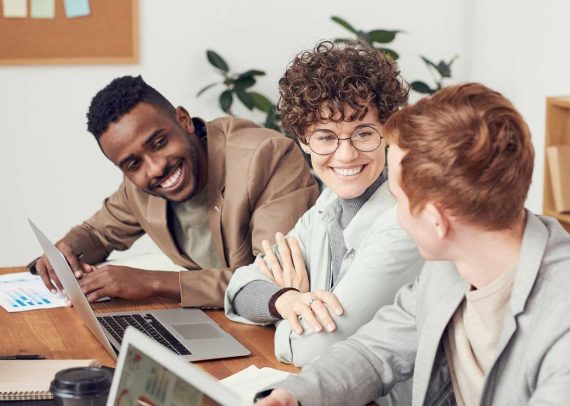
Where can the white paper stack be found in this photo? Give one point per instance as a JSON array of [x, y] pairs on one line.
[[251, 380]]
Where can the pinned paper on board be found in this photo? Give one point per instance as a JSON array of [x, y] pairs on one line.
[[42, 9], [77, 8], [15, 8]]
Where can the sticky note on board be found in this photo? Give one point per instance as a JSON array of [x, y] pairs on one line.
[[42, 9], [77, 8], [15, 8]]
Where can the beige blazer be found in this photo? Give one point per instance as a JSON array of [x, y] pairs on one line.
[[258, 184]]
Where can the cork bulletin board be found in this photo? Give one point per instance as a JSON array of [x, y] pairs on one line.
[[109, 34]]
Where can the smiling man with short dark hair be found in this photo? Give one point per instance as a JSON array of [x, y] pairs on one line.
[[206, 193]]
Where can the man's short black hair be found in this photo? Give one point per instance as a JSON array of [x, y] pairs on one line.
[[118, 98]]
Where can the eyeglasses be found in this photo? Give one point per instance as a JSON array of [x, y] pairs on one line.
[[364, 139]]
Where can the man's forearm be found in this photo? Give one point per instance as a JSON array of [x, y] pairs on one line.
[[166, 284], [344, 376], [84, 242]]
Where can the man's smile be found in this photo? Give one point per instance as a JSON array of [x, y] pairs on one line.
[[173, 180]]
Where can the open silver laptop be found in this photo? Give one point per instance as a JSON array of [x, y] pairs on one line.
[[149, 374], [188, 332]]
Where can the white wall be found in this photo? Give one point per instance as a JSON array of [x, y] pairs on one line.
[[521, 49], [53, 172]]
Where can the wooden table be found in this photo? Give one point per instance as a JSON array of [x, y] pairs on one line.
[[60, 334]]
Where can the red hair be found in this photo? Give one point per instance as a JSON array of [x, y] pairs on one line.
[[467, 149]]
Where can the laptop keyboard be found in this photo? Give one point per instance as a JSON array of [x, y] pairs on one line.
[[148, 324]]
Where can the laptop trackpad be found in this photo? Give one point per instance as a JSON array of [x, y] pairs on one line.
[[197, 331]]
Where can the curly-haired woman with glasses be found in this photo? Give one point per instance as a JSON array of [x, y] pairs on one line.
[[347, 256]]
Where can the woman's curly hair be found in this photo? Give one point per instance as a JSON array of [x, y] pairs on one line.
[[319, 84]]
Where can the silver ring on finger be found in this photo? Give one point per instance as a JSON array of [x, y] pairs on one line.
[[313, 300]]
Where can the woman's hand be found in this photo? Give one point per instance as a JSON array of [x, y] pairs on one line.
[[313, 307], [290, 271]]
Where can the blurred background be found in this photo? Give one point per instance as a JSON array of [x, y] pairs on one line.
[[53, 172]]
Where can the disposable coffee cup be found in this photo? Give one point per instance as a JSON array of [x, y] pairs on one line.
[[81, 386]]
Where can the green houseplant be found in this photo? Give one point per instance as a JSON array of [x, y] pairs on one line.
[[440, 72], [239, 86], [375, 39]]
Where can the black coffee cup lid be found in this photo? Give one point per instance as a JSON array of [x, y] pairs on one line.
[[82, 381]]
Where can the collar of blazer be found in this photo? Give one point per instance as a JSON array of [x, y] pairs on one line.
[[216, 182], [533, 246]]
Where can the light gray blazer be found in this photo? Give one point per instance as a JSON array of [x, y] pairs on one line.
[[532, 364], [380, 259]]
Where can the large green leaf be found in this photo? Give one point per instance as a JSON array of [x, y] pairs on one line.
[[421, 87], [251, 73], [217, 61], [206, 88], [383, 36], [444, 69], [344, 23], [244, 97], [226, 100], [261, 102], [390, 52], [244, 83], [430, 63]]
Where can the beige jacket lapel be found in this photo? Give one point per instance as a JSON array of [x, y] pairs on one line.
[[216, 181], [156, 215]]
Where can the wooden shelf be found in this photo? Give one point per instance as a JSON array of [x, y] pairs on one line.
[[560, 101], [557, 133]]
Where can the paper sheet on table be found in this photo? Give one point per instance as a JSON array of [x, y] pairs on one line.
[[15, 8], [22, 291], [151, 261], [251, 380]]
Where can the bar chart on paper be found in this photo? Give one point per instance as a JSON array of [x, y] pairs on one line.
[[23, 291]]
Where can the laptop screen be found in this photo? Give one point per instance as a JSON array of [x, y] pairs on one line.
[[144, 382]]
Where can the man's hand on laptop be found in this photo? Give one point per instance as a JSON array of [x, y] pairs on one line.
[[128, 283], [278, 397], [45, 270]]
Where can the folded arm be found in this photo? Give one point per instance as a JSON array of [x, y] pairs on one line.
[[386, 262], [366, 365]]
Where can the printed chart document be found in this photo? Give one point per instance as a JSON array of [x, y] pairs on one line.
[[23, 291]]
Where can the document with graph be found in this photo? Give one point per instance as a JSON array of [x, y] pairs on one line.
[[23, 291]]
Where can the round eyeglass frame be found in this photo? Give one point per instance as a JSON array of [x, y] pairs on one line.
[[307, 141]]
